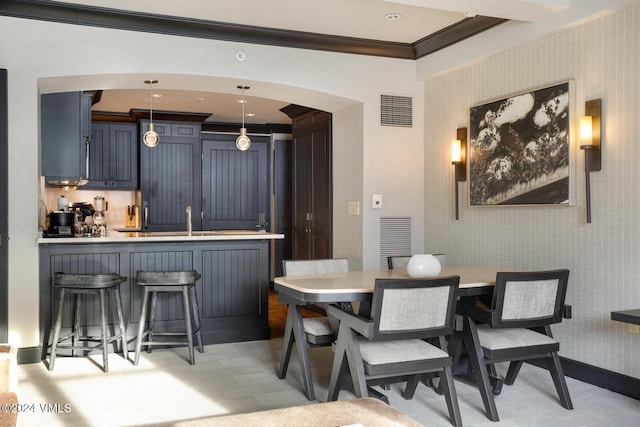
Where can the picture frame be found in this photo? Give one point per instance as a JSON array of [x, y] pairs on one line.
[[520, 149]]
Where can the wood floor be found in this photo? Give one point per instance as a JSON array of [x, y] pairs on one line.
[[278, 315]]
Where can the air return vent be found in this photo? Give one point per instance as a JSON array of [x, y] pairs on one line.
[[396, 111], [395, 237]]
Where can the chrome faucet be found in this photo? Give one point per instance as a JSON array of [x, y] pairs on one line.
[[189, 229]]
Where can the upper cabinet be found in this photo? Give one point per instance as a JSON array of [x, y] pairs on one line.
[[66, 132], [113, 156]]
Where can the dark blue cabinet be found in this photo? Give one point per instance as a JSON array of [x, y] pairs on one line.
[[170, 177], [66, 131], [113, 156]]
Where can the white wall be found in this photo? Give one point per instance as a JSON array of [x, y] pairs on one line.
[[50, 57], [602, 57]]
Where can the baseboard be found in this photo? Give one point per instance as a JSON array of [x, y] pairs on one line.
[[29, 355], [599, 377]]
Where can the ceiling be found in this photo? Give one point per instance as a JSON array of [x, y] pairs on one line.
[[400, 28]]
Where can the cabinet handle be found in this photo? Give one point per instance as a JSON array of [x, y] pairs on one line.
[[86, 160], [146, 216]]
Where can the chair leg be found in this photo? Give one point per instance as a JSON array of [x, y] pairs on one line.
[[120, 315], [56, 328], [196, 316], [411, 387], [354, 358], [287, 345], [103, 331], [141, 331], [512, 373], [558, 380], [187, 321], [449, 391], [339, 367], [75, 328], [476, 358], [152, 317]]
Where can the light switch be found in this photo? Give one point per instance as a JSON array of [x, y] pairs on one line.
[[376, 201]]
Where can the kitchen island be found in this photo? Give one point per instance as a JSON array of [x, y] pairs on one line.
[[232, 293]]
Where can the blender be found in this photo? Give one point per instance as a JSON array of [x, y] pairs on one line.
[[100, 206]]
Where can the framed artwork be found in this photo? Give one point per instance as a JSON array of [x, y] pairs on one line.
[[520, 149]]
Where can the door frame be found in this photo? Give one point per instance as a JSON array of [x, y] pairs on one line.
[[4, 210]]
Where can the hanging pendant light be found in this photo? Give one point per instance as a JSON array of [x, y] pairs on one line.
[[151, 138], [243, 142]]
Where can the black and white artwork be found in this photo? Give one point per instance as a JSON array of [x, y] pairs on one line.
[[519, 149]]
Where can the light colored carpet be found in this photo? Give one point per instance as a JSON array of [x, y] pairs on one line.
[[241, 377]]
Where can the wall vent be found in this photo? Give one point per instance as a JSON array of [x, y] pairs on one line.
[[396, 111], [395, 237]]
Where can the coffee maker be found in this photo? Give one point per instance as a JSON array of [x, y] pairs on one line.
[[100, 206]]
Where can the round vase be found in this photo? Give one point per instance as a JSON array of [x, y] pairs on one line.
[[423, 265]]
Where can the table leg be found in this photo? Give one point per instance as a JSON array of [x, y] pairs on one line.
[[294, 314]]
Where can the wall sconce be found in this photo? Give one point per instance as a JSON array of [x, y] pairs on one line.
[[590, 141], [459, 160]]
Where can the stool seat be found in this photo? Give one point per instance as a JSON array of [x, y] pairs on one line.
[[87, 284], [168, 281]]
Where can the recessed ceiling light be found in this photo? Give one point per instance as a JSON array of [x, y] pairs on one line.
[[392, 16], [250, 114]]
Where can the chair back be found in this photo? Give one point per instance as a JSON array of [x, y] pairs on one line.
[[414, 308], [529, 299], [399, 262], [309, 267]]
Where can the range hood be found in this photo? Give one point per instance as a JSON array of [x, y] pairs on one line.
[[65, 183]]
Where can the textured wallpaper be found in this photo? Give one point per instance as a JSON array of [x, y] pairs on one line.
[[601, 59]]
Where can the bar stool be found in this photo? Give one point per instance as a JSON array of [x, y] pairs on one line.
[[179, 281], [91, 284]]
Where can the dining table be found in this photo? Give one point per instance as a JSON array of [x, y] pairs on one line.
[[357, 286]]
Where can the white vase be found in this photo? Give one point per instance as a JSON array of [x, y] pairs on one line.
[[423, 265]]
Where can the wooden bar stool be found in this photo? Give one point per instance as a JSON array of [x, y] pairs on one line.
[[179, 281], [91, 284]]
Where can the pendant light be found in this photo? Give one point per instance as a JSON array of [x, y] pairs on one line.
[[151, 138], [243, 142]]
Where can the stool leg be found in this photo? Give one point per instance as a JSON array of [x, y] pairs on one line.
[[56, 328], [123, 330], [143, 315], [152, 317], [103, 331], [187, 320], [196, 316], [75, 335]]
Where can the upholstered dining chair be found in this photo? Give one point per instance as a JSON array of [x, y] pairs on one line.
[[405, 336], [318, 329], [516, 328], [398, 262]]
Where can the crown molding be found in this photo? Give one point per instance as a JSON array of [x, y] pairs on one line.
[[137, 21]]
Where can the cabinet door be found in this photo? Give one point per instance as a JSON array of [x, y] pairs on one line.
[[113, 156], [312, 186], [169, 182], [98, 156], [235, 184], [66, 126], [123, 156]]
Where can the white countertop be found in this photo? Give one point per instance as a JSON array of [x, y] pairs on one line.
[[164, 236]]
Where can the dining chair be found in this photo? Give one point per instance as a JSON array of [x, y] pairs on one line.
[[398, 262], [405, 337], [318, 329], [516, 328]]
